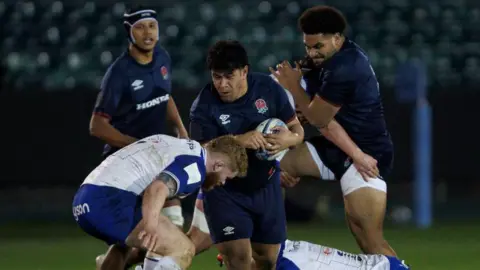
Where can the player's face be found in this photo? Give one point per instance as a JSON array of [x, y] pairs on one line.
[[230, 86], [218, 176], [146, 34], [320, 47]]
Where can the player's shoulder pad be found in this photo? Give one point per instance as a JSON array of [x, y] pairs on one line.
[[203, 98]]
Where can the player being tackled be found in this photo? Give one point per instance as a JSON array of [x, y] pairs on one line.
[[120, 201]]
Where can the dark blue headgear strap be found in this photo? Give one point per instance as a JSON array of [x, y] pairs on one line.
[[130, 19]]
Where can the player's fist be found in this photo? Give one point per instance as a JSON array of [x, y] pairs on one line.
[[286, 75], [366, 165], [148, 235], [253, 140], [281, 138], [288, 181]]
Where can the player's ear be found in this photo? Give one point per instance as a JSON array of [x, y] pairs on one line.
[[218, 165], [337, 38], [244, 71]]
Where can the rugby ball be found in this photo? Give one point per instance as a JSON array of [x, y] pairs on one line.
[[267, 127]]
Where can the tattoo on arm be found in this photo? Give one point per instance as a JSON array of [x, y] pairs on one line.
[[170, 182]]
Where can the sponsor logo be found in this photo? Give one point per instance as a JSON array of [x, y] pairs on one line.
[[261, 106], [154, 102], [80, 209]]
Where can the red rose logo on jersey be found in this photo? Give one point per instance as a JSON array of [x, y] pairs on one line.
[[261, 106], [164, 72]]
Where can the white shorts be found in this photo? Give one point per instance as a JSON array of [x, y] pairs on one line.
[[325, 172], [353, 180]]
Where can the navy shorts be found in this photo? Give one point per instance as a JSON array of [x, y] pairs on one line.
[[338, 162], [107, 213], [257, 215]]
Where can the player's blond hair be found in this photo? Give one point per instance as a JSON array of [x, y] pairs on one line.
[[237, 153]]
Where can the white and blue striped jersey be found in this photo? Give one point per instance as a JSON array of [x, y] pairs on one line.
[[307, 256], [135, 166]]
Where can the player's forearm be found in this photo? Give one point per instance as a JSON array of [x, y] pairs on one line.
[[302, 100], [335, 133], [173, 116], [114, 137], [109, 134], [154, 198]]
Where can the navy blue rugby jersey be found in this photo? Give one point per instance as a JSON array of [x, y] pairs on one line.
[[210, 117], [135, 96]]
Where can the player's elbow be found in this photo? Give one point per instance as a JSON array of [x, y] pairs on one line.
[[158, 190], [97, 126], [320, 123]]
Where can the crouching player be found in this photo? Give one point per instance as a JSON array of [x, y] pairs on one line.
[[120, 201], [296, 255]]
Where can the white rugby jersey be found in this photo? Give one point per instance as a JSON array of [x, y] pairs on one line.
[[135, 166], [308, 256]]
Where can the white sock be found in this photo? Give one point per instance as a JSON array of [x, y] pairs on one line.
[[151, 262], [160, 263]]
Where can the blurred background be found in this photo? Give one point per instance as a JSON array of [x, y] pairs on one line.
[[426, 54]]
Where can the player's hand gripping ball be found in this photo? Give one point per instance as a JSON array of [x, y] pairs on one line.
[[268, 127]]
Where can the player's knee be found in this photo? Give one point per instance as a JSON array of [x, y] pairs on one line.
[[236, 256], [265, 263]]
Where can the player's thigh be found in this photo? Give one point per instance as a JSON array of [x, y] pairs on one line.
[[365, 201], [236, 252], [299, 162], [199, 233], [106, 213], [226, 217], [265, 255], [270, 221], [319, 157], [170, 240]]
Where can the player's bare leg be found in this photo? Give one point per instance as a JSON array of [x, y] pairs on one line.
[[199, 233], [131, 256], [365, 212], [172, 246], [299, 162], [237, 254], [265, 255], [114, 259]]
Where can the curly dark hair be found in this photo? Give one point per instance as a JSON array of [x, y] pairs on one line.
[[322, 20], [227, 56]]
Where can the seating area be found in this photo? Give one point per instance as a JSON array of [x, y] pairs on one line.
[[67, 44]]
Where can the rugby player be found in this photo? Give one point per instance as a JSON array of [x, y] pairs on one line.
[[120, 201], [295, 255], [343, 101], [248, 213], [135, 99]]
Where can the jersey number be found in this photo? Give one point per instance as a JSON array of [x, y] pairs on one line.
[[193, 173]]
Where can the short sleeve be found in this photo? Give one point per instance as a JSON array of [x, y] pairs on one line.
[[111, 91], [166, 69], [338, 83], [188, 172], [285, 111], [202, 127]]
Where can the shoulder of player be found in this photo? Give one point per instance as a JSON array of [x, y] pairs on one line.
[[162, 52], [264, 82], [349, 59], [204, 97]]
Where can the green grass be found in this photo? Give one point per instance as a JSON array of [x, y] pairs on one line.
[[60, 247]]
